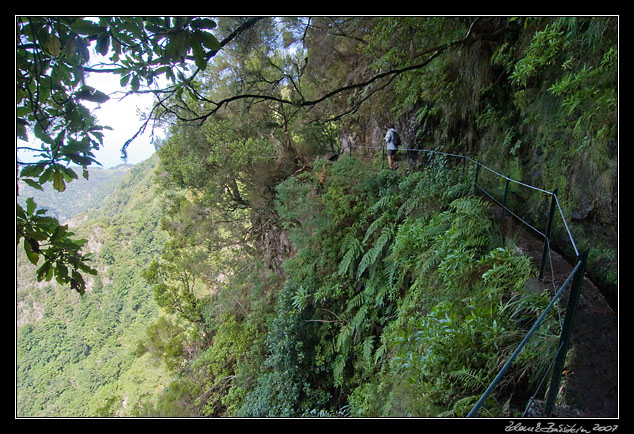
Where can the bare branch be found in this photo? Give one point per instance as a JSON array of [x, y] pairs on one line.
[[391, 74]]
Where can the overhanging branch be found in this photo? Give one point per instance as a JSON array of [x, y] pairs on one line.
[[431, 53]]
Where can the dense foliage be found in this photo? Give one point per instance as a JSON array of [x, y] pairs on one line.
[[298, 280], [385, 268]]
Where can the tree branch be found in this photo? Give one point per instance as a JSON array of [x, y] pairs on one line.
[[392, 73]]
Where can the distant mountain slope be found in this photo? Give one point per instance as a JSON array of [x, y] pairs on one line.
[[80, 195]]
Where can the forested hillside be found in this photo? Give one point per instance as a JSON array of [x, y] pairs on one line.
[[76, 354], [266, 263], [80, 196]]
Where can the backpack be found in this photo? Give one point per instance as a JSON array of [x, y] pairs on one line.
[[396, 139]]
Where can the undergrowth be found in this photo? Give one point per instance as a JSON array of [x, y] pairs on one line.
[[398, 301]]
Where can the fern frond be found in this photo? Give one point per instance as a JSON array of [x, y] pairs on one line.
[[343, 339], [359, 318], [413, 202], [392, 271], [380, 204], [368, 346], [373, 254], [373, 227], [380, 352], [337, 370], [365, 263], [472, 379], [357, 301], [353, 251]]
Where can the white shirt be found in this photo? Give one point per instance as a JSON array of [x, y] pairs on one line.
[[388, 139]]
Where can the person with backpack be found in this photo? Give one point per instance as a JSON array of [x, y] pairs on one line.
[[392, 140]]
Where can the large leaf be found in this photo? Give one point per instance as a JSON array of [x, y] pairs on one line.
[[91, 94], [208, 40], [58, 181], [85, 27]]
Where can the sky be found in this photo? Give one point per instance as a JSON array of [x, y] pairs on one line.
[[123, 118]]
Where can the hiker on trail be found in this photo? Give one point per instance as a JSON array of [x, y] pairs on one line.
[[392, 140]]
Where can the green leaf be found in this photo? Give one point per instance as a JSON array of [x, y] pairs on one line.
[[199, 55], [82, 50], [69, 48], [45, 271], [61, 273], [91, 94], [84, 27], [58, 181], [69, 174], [203, 23], [31, 247], [20, 217], [33, 184], [46, 176], [42, 135], [53, 46], [32, 171], [30, 205], [103, 43], [124, 80], [135, 83], [209, 41], [59, 232]]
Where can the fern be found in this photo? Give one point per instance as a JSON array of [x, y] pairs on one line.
[[368, 346], [343, 339], [374, 226], [461, 407], [359, 318], [372, 255], [393, 272], [300, 299], [353, 249], [380, 204], [337, 371], [365, 263], [357, 301], [380, 352], [413, 202], [386, 289], [472, 379]]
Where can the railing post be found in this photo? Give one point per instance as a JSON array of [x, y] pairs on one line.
[[475, 182], [549, 227], [383, 157], [566, 331], [506, 192]]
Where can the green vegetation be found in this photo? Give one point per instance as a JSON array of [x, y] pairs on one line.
[[79, 196], [397, 301], [251, 268], [76, 354]]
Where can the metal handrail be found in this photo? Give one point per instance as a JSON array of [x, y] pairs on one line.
[[519, 348]]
